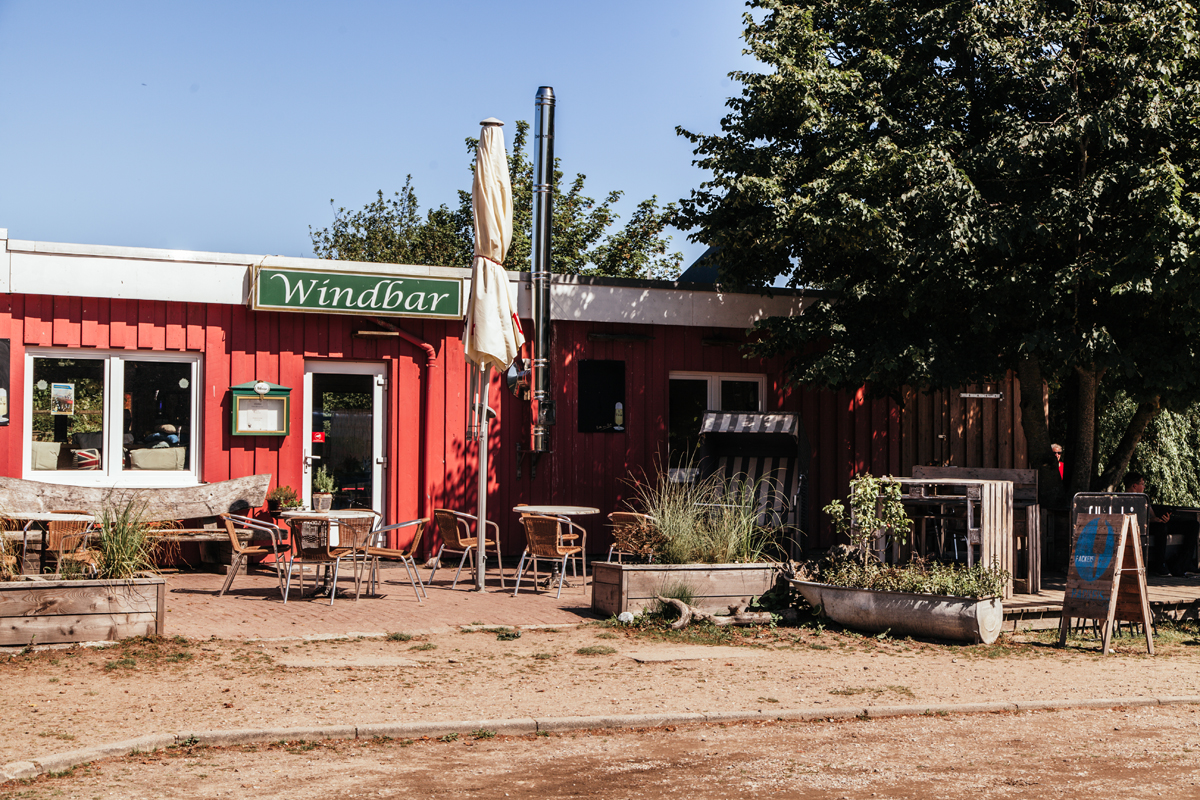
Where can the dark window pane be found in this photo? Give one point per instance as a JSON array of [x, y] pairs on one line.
[[68, 414], [157, 415], [739, 395], [687, 403], [343, 410]]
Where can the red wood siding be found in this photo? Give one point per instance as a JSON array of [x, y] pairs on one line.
[[430, 464]]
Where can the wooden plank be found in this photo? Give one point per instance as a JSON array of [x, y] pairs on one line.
[[17, 631], [176, 332], [166, 503], [73, 598], [93, 329], [1004, 424]]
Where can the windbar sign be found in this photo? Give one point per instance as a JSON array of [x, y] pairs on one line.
[[373, 293]]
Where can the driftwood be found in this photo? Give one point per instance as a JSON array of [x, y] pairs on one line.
[[162, 503], [738, 615]]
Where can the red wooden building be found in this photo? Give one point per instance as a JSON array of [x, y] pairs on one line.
[[119, 367]]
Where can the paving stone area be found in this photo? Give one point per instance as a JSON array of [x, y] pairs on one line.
[[253, 608]]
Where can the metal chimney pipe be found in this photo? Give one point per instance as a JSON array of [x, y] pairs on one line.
[[542, 410]]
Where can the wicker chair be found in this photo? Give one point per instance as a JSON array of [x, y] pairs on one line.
[[311, 547], [405, 555], [544, 539], [66, 542], [455, 529], [279, 548], [633, 535], [354, 540]]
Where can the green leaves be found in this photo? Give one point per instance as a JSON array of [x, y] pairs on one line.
[[965, 183], [392, 230]]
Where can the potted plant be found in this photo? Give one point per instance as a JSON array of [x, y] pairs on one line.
[[853, 586], [323, 488], [706, 542], [281, 498]]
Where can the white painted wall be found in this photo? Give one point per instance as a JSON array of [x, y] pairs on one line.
[[137, 273]]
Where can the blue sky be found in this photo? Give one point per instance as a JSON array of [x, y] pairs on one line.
[[229, 126]]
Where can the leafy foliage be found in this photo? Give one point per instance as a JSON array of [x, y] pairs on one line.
[[392, 230], [875, 509], [972, 188], [919, 577]]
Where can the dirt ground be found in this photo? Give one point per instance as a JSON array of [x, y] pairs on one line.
[[60, 700]]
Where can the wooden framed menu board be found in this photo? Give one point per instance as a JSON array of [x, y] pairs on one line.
[[1106, 577]]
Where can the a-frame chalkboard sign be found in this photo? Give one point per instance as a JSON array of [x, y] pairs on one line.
[[1106, 578]]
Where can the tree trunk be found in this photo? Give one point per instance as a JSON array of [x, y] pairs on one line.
[[1081, 455], [1051, 492], [1114, 471]]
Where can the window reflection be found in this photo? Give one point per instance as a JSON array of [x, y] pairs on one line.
[[157, 415], [68, 414]]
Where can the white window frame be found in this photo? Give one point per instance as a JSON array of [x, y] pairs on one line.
[[715, 379], [112, 471]]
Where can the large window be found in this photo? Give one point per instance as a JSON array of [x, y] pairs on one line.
[[111, 418], [692, 393]]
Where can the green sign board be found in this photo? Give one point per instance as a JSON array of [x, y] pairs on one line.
[[373, 293]]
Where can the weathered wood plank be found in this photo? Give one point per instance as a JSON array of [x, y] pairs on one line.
[[17, 631], [168, 503], [72, 598]]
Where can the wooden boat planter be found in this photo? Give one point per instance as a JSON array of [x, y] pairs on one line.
[[929, 616], [716, 587], [39, 611], [162, 503]]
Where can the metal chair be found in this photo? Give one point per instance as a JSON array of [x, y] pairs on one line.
[[455, 529], [279, 548], [310, 547], [405, 555], [355, 535], [543, 539]]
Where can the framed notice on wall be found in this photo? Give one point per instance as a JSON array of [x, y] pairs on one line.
[[4, 366], [260, 409]]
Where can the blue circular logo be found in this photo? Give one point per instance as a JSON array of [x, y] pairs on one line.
[[1088, 563]]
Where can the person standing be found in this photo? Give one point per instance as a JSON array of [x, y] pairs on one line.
[[1157, 525]]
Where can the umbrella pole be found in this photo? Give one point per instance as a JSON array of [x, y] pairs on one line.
[[485, 379]]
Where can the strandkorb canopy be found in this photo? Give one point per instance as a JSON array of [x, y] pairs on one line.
[[492, 333]]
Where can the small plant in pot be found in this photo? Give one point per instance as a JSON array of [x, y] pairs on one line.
[[282, 498], [323, 488]]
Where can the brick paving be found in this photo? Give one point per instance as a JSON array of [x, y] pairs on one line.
[[253, 608]]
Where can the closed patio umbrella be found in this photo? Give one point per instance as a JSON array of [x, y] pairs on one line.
[[492, 333]]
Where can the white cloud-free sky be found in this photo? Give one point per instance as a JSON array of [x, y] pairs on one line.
[[229, 126]]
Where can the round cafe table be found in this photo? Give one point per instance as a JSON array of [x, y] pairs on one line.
[[330, 516], [557, 511]]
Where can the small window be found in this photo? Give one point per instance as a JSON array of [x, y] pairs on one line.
[[105, 418], [601, 396], [692, 393]]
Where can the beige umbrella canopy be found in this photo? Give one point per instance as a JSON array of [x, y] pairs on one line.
[[492, 333]]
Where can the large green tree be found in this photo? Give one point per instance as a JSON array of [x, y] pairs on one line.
[[393, 230], [969, 188]]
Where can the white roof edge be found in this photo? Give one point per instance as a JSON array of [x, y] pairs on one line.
[[636, 304]]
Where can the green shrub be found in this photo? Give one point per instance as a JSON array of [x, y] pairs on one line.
[[126, 546], [708, 521]]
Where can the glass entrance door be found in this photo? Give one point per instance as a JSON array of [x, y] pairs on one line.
[[343, 431]]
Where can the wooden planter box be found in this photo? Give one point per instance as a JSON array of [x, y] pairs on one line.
[[631, 587], [55, 612]]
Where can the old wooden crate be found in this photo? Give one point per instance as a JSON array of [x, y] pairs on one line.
[[54, 612], [632, 587]]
